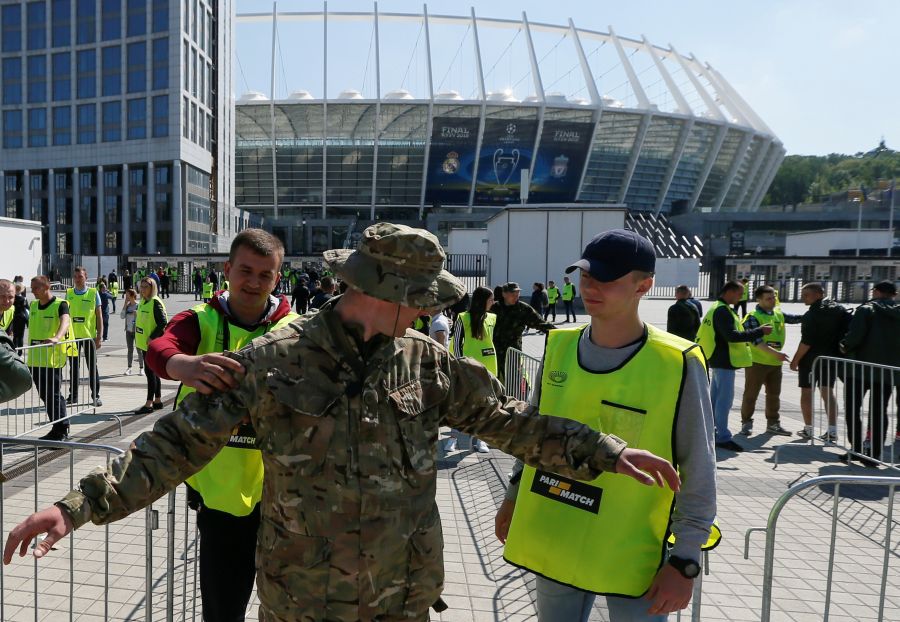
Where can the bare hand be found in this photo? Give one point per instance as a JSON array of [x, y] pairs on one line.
[[503, 519], [206, 373], [98, 342], [784, 358], [647, 468], [766, 329], [670, 591], [795, 365], [52, 521]]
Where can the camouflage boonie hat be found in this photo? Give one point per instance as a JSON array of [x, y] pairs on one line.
[[398, 264]]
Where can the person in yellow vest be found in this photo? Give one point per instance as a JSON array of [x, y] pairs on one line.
[[767, 361], [552, 297], [208, 287], [49, 323], [7, 308], [649, 388], [227, 491], [726, 346], [148, 326], [740, 306], [473, 336], [568, 298], [87, 326]]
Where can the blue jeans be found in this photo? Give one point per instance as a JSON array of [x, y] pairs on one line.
[[561, 603], [721, 392]]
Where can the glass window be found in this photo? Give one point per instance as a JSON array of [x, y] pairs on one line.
[[111, 20], [62, 130], [37, 25], [160, 64], [137, 18], [137, 118], [194, 122], [209, 132], [12, 130], [37, 79], [160, 116], [87, 124], [111, 179], [112, 70], [202, 40], [112, 121], [12, 80], [186, 119], [137, 67], [160, 15], [136, 177], [187, 66], [162, 175], [201, 136], [11, 17], [194, 72], [87, 73], [194, 16], [86, 14], [62, 80], [60, 28], [187, 15], [37, 127]]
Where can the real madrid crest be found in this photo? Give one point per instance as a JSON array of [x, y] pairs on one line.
[[451, 163]]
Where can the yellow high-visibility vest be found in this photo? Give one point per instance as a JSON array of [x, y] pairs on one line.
[[738, 351]]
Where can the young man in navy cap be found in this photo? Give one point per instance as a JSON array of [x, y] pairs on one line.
[[648, 387]]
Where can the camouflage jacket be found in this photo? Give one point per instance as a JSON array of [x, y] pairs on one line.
[[512, 320], [350, 528]]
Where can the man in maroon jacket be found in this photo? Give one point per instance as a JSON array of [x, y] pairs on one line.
[[189, 351]]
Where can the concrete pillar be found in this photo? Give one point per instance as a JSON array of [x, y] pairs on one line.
[[26, 207], [150, 211], [126, 210], [51, 212], [177, 211], [101, 212], [76, 211]]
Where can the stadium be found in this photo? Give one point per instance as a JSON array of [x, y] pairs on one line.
[[434, 119]]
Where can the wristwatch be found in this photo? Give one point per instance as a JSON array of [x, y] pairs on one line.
[[688, 568]]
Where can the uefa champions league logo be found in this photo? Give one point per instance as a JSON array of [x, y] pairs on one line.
[[505, 165]]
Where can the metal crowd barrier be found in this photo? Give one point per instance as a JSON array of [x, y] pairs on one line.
[[862, 399], [522, 373], [771, 530], [29, 412]]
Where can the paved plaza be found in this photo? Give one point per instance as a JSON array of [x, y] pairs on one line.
[[480, 586]]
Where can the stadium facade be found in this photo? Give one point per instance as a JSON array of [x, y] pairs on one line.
[[673, 136]]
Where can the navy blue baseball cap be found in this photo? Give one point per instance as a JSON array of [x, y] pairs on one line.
[[613, 254]]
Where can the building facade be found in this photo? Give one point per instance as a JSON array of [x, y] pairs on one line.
[[116, 123]]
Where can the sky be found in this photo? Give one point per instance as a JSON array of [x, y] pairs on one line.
[[822, 74]]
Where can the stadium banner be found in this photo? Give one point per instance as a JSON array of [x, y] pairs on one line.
[[451, 160], [506, 149], [561, 156]]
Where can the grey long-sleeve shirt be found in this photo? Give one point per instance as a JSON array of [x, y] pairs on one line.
[[695, 504]]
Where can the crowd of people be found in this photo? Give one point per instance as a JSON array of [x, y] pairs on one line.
[[754, 342], [305, 430]]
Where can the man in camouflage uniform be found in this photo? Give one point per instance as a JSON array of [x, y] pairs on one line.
[[346, 404], [513, 317]]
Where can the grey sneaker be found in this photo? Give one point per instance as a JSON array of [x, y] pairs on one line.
[[805, 434], [776, 428], [450, 445], [747, 428], [98, 402], [481, 447]]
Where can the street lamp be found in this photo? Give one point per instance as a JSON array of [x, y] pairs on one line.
[[858, 202]]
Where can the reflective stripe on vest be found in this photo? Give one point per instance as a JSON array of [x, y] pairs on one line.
[[552, 295], [774, 340], [82, 312], [738, 351], [43, 324], [562, 527], [145, 323], [6, 318], [568, 292], [482, 350], [232, 481]]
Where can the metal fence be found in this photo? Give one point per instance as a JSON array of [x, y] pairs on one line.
[[860, 400], [472, 269], [57, 394], [668, 291], [837, 482]]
